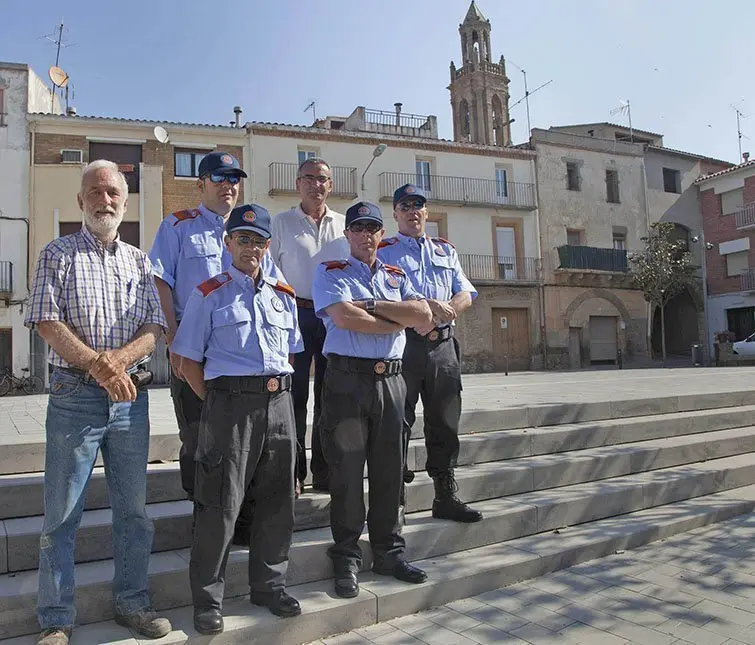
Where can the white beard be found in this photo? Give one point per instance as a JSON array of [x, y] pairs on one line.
[[103, 226]]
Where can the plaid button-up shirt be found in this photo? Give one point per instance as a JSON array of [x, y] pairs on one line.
[[104, 294]]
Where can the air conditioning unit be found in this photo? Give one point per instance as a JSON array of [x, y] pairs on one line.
[[72, 156]]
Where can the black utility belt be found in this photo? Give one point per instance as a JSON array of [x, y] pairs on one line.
[[253, 384], [365, 365], [437, 335]]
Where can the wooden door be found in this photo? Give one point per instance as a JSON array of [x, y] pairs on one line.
[[511, 338]]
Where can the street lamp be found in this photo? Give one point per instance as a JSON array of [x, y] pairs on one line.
[[704, 246], [379, 150]]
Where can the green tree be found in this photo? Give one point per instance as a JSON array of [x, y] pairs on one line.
[[662, 269]]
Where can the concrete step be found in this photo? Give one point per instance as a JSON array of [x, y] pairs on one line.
[[462, 574], [21, 495], [27, 455], [484, 481]]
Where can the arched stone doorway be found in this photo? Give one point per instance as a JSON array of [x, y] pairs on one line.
[[682, 325]]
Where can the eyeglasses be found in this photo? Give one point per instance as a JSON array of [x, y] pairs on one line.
[[361, 227], [415, 205], [248, 240], [316, 179], [219, 179]]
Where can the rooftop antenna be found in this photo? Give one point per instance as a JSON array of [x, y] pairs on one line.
[[740, 115], [58, 41], [625, 108], [527, 93], [312, 107]]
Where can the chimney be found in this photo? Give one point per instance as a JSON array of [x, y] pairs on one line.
[[398, 114], [71, 111], [746, 156], [237, 111]]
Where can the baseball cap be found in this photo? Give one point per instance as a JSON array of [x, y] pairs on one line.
[[220, 163], [249, 217], [408, 190], [363, 211]]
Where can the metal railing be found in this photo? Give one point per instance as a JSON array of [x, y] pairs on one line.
[[6, 277], [466, 191], [747, 280], [401, 120], [745, 216], [592, 258], [283, 180], [491, 267]]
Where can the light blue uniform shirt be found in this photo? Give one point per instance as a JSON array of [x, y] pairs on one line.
[[352, 282], [431, 265], [189, 249], [239, 328]]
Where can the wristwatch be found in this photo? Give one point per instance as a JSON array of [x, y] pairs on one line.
[[369, 306]]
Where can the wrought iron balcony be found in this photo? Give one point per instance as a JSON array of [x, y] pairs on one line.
[[592, 258], [283, 180], [464, 191], [499, 269], [6, 278], [747, 280], [745, 216]]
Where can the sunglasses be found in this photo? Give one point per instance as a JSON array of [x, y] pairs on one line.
[[414, 205], [361, 227], [249, 240], [219, 179]]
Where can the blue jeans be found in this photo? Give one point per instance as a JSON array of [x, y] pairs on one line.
[[81, 420]]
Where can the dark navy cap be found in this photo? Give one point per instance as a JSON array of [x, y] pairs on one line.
[[249, 217], [220, 163], [408, 190], [363, 211]]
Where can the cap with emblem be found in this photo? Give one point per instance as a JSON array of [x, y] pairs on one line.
[[220, 163], [408, 191], [249, 217], [363, 211]]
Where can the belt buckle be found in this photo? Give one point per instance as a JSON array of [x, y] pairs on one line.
[[380, 367], [273, 385], [433, 335]]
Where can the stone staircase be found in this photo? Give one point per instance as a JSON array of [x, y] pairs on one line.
[[558, 484]]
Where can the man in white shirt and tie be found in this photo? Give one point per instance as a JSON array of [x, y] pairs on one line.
[[302, 238]]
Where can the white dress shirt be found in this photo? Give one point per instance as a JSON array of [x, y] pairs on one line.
[[298, 245]]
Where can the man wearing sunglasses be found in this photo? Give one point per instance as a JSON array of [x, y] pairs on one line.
[[303, 237], [236, 339], [188, 249], [365, 305], [431, 357]]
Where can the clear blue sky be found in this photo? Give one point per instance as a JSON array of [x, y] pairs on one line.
[[681, 63]]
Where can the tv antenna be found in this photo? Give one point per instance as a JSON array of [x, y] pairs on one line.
[[527, 94], [58, 77], [312, 107], [740, 136]]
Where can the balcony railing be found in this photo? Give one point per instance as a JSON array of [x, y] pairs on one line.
[[592, 258], [401, 120], [499, 269], [747, 280], [6, 277], [465, 191], [283, 180], [745, 216]]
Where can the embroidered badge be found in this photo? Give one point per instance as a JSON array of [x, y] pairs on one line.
[[439, 251], [222, 278], [249, 216], [363, 210], [277, 304], [392, 282], [227, 159], [409, 189]]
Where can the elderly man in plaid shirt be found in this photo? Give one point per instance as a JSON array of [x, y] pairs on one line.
[[95, 303]]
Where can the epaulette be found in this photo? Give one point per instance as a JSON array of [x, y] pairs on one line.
[[285, 288], [443, 240], [208, 286], [388, 241], [335, 264], [392, 269], [182, 216]]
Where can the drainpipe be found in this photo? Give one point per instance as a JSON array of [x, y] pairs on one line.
[[540, 285], [648, 305]]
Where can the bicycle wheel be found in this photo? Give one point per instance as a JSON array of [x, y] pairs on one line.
[[33, 385], [4, 385]]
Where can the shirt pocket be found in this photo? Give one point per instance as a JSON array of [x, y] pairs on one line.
[[443, 273], [278, 330], [203, 251], [232, 326]]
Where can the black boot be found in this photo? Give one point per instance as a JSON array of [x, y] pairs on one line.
[[446, 506]]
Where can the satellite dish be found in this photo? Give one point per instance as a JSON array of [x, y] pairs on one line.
[[58, 76], [161, 134]]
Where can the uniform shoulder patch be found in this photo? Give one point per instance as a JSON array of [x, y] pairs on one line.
[[284, 288], [394, 270], [208, 286], [335, 264], [388, 241], [182, 216], [442, 240]]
